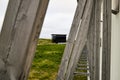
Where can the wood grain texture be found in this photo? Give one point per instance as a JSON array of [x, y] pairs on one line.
[[93, 41], [97, 39], [90, 44], [34, 36], [71, 40], [6, 36], [23, 37], [80, 40], [106, 53]]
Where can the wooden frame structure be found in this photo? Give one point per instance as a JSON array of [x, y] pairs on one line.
[[21, 30], [89, 35]]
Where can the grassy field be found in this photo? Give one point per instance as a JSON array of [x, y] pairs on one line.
[[47, 60]]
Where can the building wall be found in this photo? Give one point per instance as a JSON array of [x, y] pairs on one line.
[[115, 48]]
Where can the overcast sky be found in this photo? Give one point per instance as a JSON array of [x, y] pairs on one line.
[[58, 19], [3, 6]]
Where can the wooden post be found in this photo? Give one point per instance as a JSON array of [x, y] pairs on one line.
[[93, 41], [80, 40], [106, 54], [90, 44], [19, 36], [71, 40], [97, 38]]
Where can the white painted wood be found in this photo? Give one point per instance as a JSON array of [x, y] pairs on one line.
[[115, 48], [115, 4], [101, 35]]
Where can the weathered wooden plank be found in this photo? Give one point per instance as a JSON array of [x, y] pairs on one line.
[[81, 73], [93, 42], [81, 65], [83, 68], [71, 40], [89, 50], [34, 36], [23, 37], [90, 45], [97, 38], [80, 40], [6, 36], [90, 42], [106, 54]]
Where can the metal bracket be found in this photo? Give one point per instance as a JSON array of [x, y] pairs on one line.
[[115, 11]]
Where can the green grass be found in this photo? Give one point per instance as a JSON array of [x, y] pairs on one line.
[[47, 60]]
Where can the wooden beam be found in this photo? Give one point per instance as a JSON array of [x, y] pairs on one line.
[[71, 40], [93, 41], [90, 43], [80, 40], [97, 39], [106, 54], [19, 36], [34, 36], [81, 73], [6, 36]]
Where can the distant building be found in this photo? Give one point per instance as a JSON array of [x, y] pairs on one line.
[[58, 38]]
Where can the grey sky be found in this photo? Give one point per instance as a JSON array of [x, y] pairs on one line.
[[58, 19], [3, 6]]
